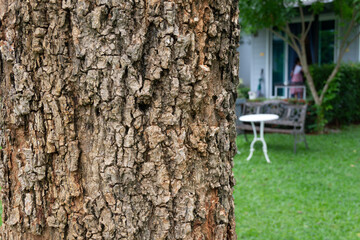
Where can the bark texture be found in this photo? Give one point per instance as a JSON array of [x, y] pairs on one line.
[[117, 118]]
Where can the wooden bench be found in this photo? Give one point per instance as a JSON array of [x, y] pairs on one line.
[[291, 118]]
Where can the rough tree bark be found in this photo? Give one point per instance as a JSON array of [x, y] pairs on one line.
[[117, 118]]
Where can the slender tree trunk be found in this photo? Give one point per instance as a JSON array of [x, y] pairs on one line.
[[310, 82], [306, 70], [117, 119], [298, 44]]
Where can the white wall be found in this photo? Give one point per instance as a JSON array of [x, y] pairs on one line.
[[245, 59], [260, 54], [255, 55], [352, 52]]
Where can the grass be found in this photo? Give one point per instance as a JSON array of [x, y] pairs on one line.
[[314, 194]]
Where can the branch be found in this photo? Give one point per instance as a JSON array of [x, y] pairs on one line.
[[348, 32], [302, 19], [293, 39], [280, 36], [344, 45], [329, 80], [352, 39], [287, 30], [309, 25], [286, 40]]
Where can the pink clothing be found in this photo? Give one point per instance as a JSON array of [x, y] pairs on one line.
[[297, 78]]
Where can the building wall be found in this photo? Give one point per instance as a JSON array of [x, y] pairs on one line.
[[352, 52], [245, 59], [260, 55], [255, 53]]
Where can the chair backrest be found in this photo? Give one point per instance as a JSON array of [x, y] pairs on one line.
[[289, 114], [253, 108]]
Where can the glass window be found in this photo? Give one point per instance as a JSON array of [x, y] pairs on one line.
[[326, 42], [278, 58]]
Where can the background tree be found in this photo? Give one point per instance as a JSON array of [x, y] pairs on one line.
[[277, 15], [117, 119]]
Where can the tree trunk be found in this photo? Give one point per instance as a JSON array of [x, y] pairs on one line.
[[117, 119], [311, 84]]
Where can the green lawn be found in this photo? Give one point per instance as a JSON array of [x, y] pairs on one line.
[[314, 194]]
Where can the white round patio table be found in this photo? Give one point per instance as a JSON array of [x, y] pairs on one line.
[[253, 118]]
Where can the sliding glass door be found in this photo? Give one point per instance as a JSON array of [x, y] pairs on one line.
[[278, 63], [319, 44]]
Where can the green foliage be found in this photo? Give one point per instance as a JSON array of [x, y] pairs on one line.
[[243, 92], [311, 118], [346, 8], [259, 14], [273, 14], [341, 101], [310, 195], [317, 7]]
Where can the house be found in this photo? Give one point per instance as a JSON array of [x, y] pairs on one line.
[[266, 56]]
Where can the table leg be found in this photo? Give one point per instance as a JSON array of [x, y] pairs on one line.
[[253, 142], [263, 141], [261, 138]]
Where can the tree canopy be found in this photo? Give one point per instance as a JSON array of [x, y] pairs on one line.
[[259, 14]]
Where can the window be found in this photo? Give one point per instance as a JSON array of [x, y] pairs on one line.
[[278, 62], [320, 49], [326, 42]]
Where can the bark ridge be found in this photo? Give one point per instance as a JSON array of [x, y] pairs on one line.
[[117, 118]]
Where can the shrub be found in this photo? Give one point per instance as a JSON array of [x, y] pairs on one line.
[[342, 101], [242, 91]]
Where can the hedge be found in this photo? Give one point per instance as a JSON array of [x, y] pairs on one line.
[[342, 101]]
